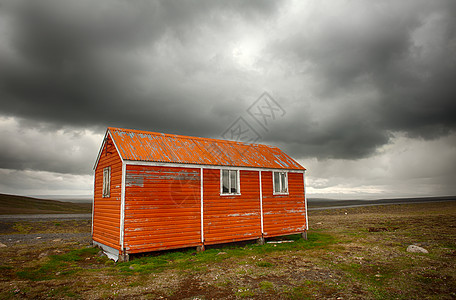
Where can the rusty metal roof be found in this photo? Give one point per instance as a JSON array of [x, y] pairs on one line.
[[148, 146]]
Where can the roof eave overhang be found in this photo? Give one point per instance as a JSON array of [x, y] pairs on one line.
[[189, 165]]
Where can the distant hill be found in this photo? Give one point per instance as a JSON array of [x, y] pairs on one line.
[[12, 204], [325, 202]]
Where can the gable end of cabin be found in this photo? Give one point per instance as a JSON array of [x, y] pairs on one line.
[[106, 219]]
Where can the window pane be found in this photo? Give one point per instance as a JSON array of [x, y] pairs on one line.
[[233, 175], [283, 178], [276, 182], [225, 182], [106, 181]]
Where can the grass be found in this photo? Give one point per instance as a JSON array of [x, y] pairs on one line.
[[36, 227], [342, 258], [191, 260], [57, 265]]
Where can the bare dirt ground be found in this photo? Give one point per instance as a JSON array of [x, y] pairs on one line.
[[352, 253]]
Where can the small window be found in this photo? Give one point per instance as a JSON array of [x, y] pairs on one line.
[[106, 182], [280, 182], [229, 182]]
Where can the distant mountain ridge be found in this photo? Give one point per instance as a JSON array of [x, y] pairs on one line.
[[14, 204], [325, 202]]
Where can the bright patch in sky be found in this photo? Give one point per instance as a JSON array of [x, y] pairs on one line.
[[367, 87]]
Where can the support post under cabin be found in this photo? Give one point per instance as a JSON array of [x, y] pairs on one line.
[[261, 241], [304, 235]]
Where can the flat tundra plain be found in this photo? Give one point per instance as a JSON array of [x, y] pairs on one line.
[[351, 253]]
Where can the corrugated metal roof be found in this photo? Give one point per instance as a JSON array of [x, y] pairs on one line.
[[147, 146]]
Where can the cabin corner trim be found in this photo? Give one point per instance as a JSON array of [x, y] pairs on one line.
[[122, 206], [305, 199]]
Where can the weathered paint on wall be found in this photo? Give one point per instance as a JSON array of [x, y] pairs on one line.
[[106, 210], [163, 202], [162, 208], [234, 217], [283, 214]]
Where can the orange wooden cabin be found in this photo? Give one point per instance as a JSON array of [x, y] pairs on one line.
[[157, 191]]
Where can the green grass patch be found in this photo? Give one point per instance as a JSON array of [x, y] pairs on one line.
[[309, 288], [264, 264], [266, 285], [191, 260], [374, 277], [450, 245], [22, 228], [57, 265]]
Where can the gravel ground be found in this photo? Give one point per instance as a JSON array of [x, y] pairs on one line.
[[33, 238], [44, 217]]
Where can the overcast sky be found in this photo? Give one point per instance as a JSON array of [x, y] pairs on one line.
[[364, 92]]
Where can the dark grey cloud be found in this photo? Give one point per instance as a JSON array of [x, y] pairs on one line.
[[404, 53], [348, 74], [81, 63], [61, 151]]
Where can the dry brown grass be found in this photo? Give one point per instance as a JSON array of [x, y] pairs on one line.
[[343, 259]]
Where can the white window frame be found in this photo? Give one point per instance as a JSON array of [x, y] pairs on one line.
[[286, 192], [238, 182], [106, 191]]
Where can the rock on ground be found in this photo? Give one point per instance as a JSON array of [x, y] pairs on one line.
[[416, 249]]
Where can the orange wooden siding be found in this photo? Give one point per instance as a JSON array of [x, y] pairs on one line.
[[162, 208], [283, 214], [231, 218], [106, 211]]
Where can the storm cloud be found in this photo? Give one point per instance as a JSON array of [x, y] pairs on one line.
[[351, 76]]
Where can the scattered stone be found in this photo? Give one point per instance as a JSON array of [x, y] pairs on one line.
[[132, 267], [2, 245], [57, 274], [57, 240], [38, 237], [43, 254], [221, 253], [416, 249]]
